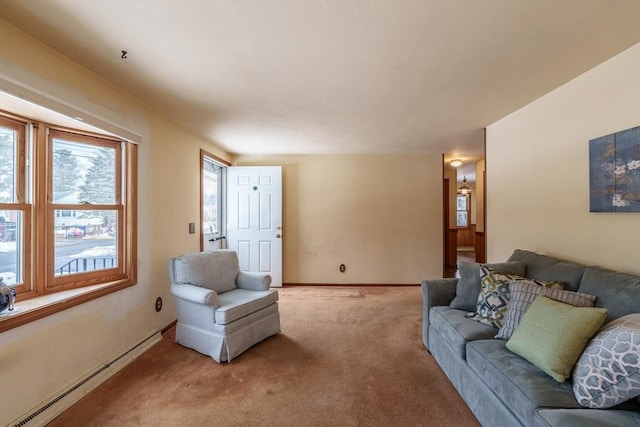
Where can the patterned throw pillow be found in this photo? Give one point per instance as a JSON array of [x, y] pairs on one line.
[[608, 372], [523, 293], [495, 294]]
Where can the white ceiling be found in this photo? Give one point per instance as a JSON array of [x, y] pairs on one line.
[[322, 76]]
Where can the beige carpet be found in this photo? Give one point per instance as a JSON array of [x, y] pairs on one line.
[[345, 357]]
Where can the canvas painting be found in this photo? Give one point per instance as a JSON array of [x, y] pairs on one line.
[[614, 172]]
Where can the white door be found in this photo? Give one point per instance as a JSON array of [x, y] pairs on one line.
[[254, 224]]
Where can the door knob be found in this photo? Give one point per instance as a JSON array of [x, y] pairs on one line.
[[278, 236], [278, 227]]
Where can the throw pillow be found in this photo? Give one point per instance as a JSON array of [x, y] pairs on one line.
[[608, 372], [491, 305], [552, 335], [468, 286], [522, 295]]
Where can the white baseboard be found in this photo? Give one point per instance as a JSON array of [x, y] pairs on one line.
[[46, 411]]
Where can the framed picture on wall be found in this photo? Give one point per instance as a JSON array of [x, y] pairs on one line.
[[614, 172]]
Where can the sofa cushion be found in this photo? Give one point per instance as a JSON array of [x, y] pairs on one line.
[[495, 295], [468, 286], [238, 303], [456, 329], [608, 372], [523, 293], [617, 292], [543, 267], [552, 335], [521, 386], [586, 418], [216, 271]]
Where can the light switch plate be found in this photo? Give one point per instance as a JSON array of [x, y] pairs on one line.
[[192, 228]]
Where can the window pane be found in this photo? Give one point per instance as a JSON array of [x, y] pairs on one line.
[[85, 241], [7, 164], [11, 241], [210, 185], [462, 219], [83, 173]]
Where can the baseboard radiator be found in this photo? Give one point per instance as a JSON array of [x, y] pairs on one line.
[[58, 404]]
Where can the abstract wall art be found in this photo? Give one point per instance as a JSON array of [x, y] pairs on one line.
[[614, 172]]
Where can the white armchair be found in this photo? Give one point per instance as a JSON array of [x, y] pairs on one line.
[[222, 311]]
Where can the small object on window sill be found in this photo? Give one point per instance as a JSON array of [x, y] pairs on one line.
[[7, 296], [8, 313]]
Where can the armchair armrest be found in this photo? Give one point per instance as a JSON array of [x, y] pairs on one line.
[[435, 293], [195, 294], [253, 281]]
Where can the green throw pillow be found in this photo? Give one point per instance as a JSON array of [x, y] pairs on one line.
[[552, 335]]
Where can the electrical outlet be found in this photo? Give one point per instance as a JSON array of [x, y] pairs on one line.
[[343, 268]]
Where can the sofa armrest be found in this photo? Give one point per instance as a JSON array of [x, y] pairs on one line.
[[438, 292], [435, 293], [195, 294], [253, 281]]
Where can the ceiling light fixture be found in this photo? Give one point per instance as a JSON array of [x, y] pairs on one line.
[[455, 163], [464, 188]]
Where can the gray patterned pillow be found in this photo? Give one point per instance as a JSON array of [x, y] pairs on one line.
[[523, 292], [469, 286], [491, 306], [608, 372]]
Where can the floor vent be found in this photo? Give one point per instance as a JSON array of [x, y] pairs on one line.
[[73, 388]]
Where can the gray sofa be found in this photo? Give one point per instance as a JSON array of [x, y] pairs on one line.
[[500, 387]]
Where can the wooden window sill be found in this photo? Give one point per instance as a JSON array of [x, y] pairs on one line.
[[36, 308]]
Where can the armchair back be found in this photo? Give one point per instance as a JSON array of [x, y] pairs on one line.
[[215, 270]]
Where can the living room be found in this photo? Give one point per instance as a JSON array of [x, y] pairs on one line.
[[379, 213]]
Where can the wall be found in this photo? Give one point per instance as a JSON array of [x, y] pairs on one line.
[[44, 357], [538, 173], [380, 215]]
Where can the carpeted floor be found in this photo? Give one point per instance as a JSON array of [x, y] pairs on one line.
[[345, 357]]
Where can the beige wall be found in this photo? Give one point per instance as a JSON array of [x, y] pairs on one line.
[[44, 357], [538, 170], [380, 215]]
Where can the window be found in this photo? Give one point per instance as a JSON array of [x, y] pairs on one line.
[[67, 211], [462, 206], [212, 171]]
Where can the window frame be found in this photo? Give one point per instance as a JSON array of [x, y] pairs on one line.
[[41, 293], [466, 209], [20, 203]]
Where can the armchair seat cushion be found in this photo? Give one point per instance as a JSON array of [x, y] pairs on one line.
[[238, 303]]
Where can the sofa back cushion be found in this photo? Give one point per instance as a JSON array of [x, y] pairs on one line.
[[617, 292], [216, 270], [543, 267]]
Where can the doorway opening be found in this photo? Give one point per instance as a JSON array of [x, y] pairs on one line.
[[464, 211]]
